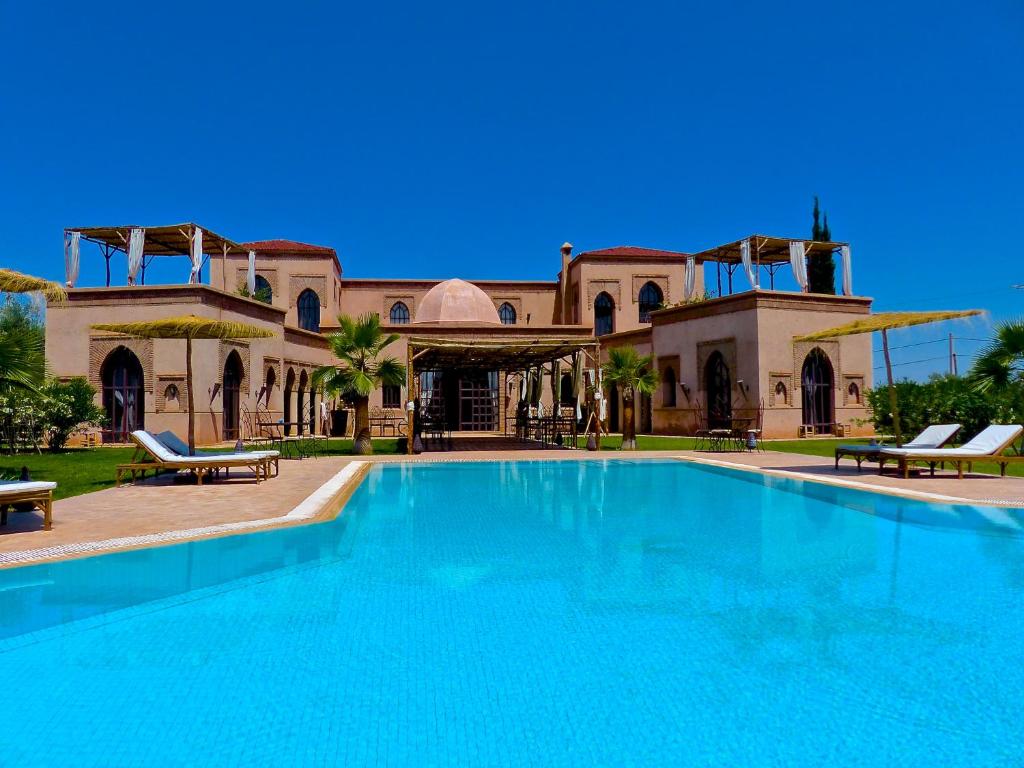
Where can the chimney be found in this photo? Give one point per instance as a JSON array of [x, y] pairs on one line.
[[566, 293]]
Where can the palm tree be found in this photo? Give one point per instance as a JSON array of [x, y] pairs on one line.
[[632, 373], [1002, 361], [358, 346]]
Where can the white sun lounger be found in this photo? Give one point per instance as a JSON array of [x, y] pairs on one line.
[[161, 457], [988, 444], [176, 445], [933, 436], [36, 492]]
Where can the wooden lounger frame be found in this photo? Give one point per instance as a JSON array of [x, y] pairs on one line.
[[139, 465], [933, 459], [42, 499]]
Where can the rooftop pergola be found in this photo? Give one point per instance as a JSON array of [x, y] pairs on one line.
[[165, 240], [772, 253]]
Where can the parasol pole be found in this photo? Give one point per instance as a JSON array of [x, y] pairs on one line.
[[191, 403], [893, 406]]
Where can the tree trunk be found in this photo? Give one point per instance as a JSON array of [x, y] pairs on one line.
[[363, 445], [191, 400], [628, 427]]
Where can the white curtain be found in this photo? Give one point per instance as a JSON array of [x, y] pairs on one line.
[[799, 263], [847, 271], [689, 278], [196, 255], [71, 247], [748, 265], [136, 246], [250, 278]]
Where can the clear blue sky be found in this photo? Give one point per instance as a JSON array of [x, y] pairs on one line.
[[443, 139]]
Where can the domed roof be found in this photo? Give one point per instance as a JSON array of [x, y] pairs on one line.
[[456, 301]]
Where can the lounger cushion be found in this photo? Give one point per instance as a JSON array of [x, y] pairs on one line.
[[11, 487], [859, 448], [180, 447], [161, 453], [933, 436], [990, 441]]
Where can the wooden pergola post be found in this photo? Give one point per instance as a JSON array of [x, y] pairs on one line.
[[410, 391]]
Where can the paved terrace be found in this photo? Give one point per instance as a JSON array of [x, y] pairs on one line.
[[166, 509]]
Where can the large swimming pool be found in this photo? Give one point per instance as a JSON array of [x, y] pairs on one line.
[[536, 613]]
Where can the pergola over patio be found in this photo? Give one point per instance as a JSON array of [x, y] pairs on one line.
[[772, 253], [492, 350], [164, 240]]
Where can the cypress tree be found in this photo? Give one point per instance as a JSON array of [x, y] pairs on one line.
[[821, 268]]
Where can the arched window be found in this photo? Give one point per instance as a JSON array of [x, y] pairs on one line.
[[781, 395], [123, 394], [668, 388], [650, 299], [232, 389], [507, 313], [816, 385], [309, 310], [854, 392], [718, 388], [264, 292], [604, 314], [399, 313]]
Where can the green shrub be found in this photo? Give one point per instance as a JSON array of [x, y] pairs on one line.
[[53, 413], [944, 400]]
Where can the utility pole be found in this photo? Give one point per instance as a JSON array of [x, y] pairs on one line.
[[952, 356]]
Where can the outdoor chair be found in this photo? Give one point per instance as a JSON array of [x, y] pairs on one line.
[[990, 444], [36, 493], [152, 454], [934, 436]]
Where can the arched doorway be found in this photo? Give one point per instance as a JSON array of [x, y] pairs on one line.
[[604, 314], [718, 387], [300, 403], [817, 385], [232, 397], [289, 387], [123, 394]]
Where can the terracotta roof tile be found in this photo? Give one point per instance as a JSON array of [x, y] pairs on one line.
[[634, 251], [287, 246]]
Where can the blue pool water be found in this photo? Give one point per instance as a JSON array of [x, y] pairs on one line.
[[536, 613]]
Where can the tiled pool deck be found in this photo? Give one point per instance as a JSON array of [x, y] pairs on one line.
[[163, 511]]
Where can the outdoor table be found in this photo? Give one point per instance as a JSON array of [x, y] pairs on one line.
[[301, 444]]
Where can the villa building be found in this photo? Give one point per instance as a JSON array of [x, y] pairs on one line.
[[718, 353]]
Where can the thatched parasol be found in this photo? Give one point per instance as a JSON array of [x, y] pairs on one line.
[[187, 327], [16, 282], [884, 322]]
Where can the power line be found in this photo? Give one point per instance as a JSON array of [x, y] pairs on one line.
[[944, 340]]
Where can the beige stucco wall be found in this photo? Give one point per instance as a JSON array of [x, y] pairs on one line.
[[74, 349], [622, 279], [288, 274], [755, 332], [533, 301]]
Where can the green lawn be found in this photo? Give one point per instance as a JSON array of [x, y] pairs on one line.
[[83, 470]]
